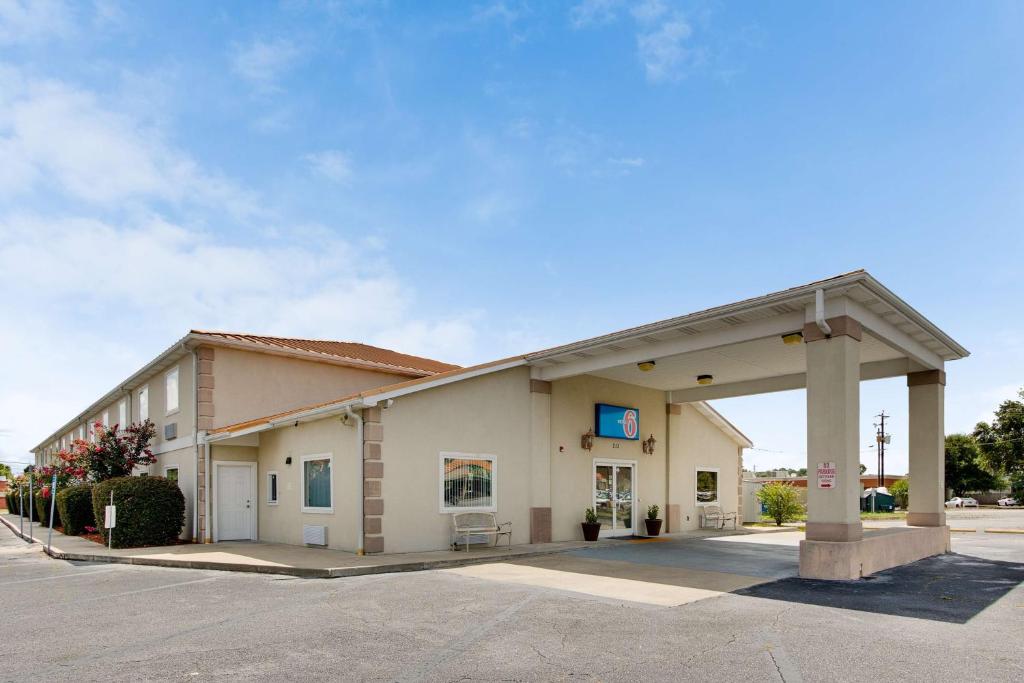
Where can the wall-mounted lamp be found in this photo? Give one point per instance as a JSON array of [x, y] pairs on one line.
[[587, 440], [705, 380], [288, 460], [792, 338], [646, 366], [649, 444]]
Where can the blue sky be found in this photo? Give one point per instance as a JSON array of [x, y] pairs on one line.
[[473, 180]]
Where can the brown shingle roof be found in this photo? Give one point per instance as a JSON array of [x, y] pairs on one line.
[[360, 354]]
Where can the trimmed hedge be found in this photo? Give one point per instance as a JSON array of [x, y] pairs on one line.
[[150, 510], [75, 506], [12, 502], [43, 511]]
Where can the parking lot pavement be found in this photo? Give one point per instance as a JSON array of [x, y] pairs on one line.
[[63, 621]]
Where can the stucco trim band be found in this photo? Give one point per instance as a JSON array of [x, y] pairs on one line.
[[842, 326], [917, 379]]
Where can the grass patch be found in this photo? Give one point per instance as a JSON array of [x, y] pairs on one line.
[[768, 521]]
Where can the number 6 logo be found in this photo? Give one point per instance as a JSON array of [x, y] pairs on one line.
[[629, 424]]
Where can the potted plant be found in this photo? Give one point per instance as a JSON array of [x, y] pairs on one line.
[[591, 527], [652, 522]]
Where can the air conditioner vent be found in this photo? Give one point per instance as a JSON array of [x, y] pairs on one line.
[[314, 534], [171, 431]]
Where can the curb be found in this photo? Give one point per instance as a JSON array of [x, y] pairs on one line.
[[300, 572]]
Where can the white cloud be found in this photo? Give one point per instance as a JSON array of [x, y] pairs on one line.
[[594, 13], [96, 299], [331, 164], [263, 63], [663, 51], [33, 21], [662, 35], [63, 140]]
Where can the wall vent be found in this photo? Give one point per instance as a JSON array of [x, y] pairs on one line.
[[314, 534], [171, 431]]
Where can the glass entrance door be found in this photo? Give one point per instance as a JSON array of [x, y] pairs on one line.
[[614, 497]]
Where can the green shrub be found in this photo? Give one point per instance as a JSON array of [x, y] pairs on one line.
[[12, 504], [781, 502], [900, 491], [75, 506], [150, 510], [43, 511]]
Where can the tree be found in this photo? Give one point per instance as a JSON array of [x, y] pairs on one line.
[[115, 453], [965, 471], [1002, 441], [5, 472], [900, 490], [781, 502]]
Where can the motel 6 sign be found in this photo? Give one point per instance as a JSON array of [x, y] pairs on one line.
[[616, 422]]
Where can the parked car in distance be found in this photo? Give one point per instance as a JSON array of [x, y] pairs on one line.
[[959, 502], [1007, 501]]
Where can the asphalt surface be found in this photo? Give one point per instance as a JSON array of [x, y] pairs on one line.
[[65, 621]]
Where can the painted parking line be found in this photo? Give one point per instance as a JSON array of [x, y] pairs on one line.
[[1004, 531], [628, 590], [149, 590], [962, 531], [74, 575]]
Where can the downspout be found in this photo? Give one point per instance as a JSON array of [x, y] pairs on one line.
[[819, 312], [358, 418]]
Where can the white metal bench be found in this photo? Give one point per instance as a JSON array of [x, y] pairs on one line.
[[466, 525], [712, 517]]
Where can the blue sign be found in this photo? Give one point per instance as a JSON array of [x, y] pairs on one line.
[[616, 422]]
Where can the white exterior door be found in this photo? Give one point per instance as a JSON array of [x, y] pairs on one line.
[[236, 502]]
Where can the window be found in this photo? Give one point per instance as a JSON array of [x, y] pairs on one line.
[[81, 432], [106, 418], [707, 485], [172, 391], [271, 488], [122, 414], [143, 404], [171, 473], [467, 482], [317, 494]]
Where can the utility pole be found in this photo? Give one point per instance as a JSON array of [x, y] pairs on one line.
[[881, 438]]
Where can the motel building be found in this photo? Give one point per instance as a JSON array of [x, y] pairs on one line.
[[618, 422]]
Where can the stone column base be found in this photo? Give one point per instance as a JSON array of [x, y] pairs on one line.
[[540, 525], [834, 531], [879, 550], [926, 519]]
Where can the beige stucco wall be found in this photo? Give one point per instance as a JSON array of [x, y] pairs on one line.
[[572, 471], [488, 414], [250, 385], [699, 443], [184, 459], [282, 523]]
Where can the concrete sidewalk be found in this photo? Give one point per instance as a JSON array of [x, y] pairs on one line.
[[293, 560]]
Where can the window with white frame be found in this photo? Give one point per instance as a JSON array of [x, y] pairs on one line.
[[707, 485], [122, 414], [81, 433], [171, 473], [271, 488], [144, 404], [468, 482], [171, 381], [317, 491], [106, 418]]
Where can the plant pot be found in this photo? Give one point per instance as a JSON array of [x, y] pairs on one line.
[[653, 526], [591, 531]]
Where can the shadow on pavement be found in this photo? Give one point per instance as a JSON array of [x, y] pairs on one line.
[[951, 588]]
